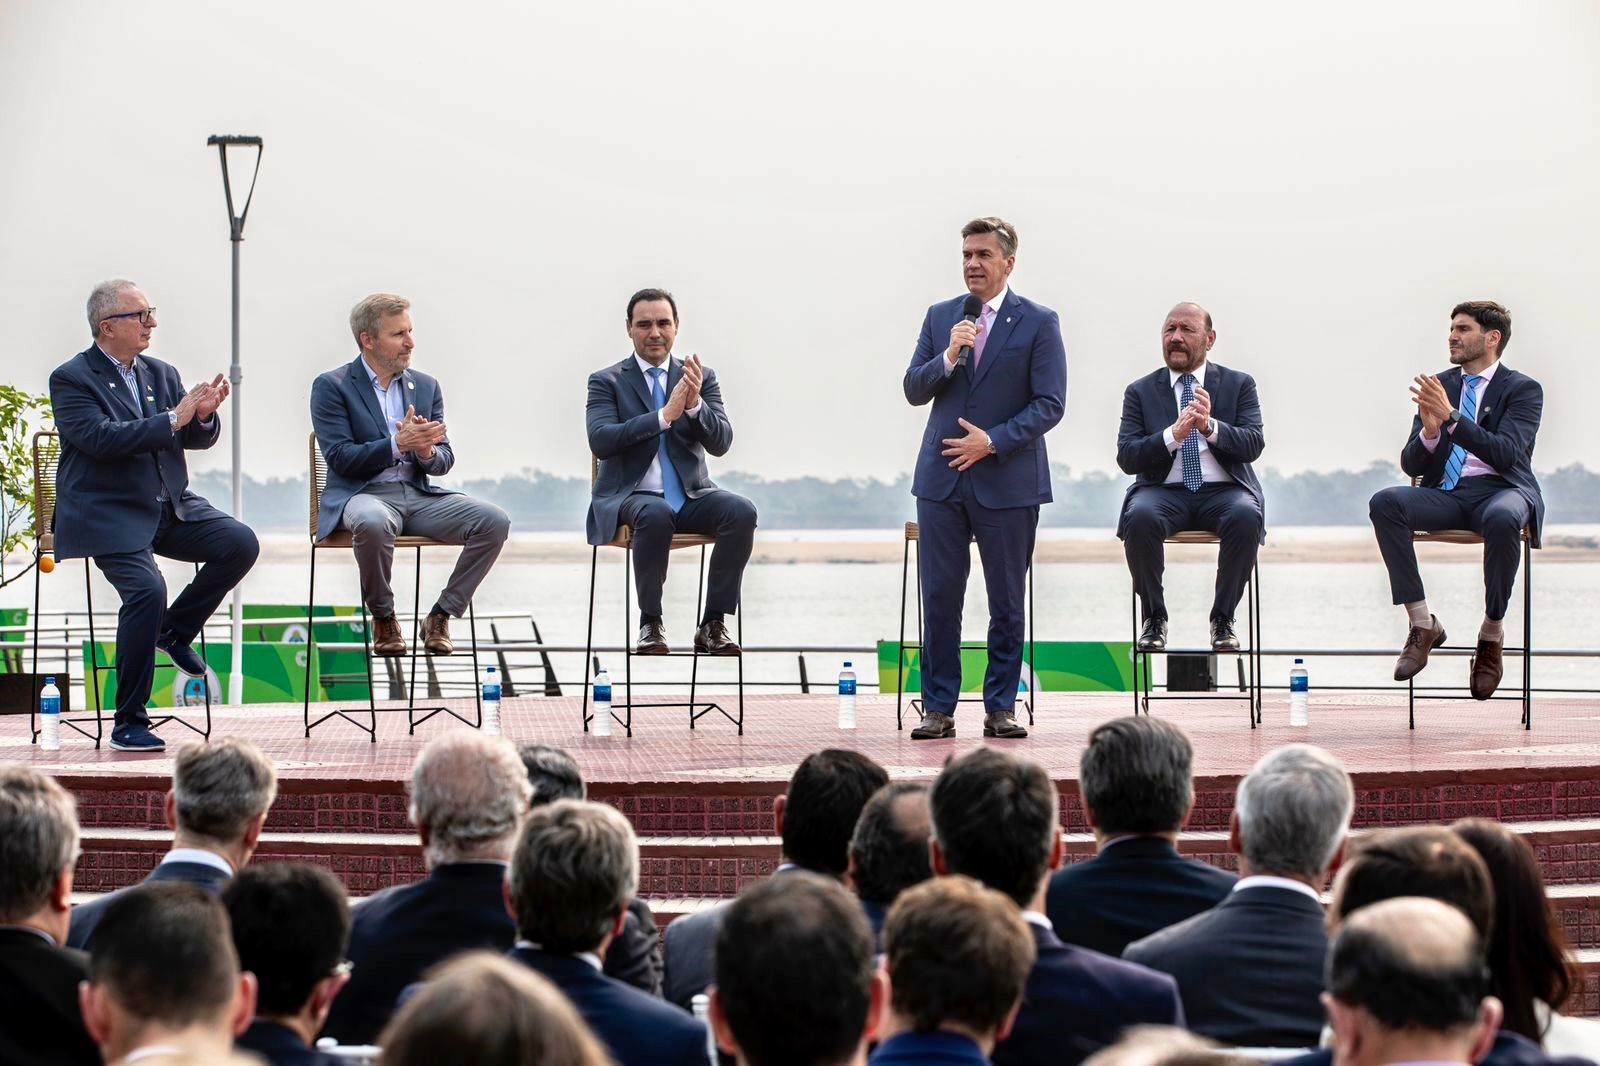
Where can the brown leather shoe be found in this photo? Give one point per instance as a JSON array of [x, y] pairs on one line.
[[436, 634], [1487, 669], [935, 726], [386, 638], [1419, 642], [712, 639], [652, 640], [1002, 724]]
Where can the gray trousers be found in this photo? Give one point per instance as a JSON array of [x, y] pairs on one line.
[[379, 513]]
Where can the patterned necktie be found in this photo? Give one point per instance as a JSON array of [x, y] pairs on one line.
[[1469, 413], [671, 483], [1190, 449]]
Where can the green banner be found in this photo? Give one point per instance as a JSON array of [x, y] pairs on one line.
[[344, 673], [273, 673], [11, 658], [1058, 666]]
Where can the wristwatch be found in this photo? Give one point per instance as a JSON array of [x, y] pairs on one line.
[[1455, 416], [1211, 428], [172, 420], [991, 445]]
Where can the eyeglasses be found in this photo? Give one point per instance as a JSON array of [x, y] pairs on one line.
[[145, 316]]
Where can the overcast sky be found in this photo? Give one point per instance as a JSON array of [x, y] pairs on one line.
[[1327, 179]]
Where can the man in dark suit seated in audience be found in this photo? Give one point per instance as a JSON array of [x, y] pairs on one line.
[[217, 806], [796, 984], [468, 795], [1135, 784], [40, 1024], [576, 866], [1250, 969], [291, 925], [958, 957], [996, 818], [815, 819], [889, 849]]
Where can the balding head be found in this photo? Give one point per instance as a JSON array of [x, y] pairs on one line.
[[889, 850], [1186, 337]]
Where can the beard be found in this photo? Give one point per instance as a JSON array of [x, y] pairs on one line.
[[1466, 353]]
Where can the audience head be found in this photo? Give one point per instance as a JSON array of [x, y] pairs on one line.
[[1291, 815], [221, 790], [795, 983], [38, 848], [1165, 1045], [1422, 860], [484, 1009], [1407, 983], [164, 971], [552, 773], [1528, 957], [1135, 777], [819, 812], [468, 795], [996, 818], [291, 925], [889, 849], [575, 869], [958, 958]]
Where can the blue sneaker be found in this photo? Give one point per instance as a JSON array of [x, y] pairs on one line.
[[184, 657], [135, 738]]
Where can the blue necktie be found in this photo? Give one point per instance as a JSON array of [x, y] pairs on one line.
[[1469, 412], [671, 483], [1190, 449]]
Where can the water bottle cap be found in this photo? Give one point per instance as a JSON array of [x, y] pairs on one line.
[[1299, 662], [491, 669], [847, 664], [49, 680]]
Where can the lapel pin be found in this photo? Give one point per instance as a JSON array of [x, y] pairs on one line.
[[1008, 320], [113, 384], [412, 385]]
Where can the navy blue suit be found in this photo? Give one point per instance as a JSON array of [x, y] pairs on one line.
[[935, 1048], [40, 1023], [86, 917], [281, 1046], [122, 497], [1509, 1049], [1017, 393], [1131, 889]]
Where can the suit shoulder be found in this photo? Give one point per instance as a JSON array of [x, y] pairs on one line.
[[1035, 307], [1179, 937], [1230, 372], [704, 923]]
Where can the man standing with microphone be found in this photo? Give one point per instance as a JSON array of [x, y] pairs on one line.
[[995, 368]]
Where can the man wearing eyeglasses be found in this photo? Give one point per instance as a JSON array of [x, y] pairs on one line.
[[122, 496]]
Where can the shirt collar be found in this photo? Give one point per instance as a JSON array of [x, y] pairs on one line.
[[999, 301], [645, 366], [118, 363], [1199, 375], [1486, 375], [151, 1052], [372, 375], [200, 857], [1035, 918], [587, 956], [1268, 881], [46, 937]]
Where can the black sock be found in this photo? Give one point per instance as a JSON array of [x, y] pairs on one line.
[[436, 609], [711, 616], [649, 619]]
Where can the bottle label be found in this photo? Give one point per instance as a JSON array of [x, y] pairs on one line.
[[847, 686], [491, 692], [50, 705], [1300, 684], [602, 693]]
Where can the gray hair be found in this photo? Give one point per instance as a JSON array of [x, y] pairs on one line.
[[221, 787], [575, 869], [1294, 810], [469, 792], [38, 839], [366, 316], [103, 302]]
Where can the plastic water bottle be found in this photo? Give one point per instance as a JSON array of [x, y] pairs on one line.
[[50, 716], [847, 697], [701, 1006], [602, 703], [1299, 694], [491, 702]]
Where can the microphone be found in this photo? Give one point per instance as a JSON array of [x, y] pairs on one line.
[[969, 313]]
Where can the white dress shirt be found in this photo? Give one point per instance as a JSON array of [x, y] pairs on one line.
[[993, 308], [1473, 467], [199, 856], [1268, 881], [651, 482], [1210, 469], [587, 956]]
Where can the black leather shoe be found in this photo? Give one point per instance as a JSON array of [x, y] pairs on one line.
[[1003, 724], [712, 639], [652, 640], [1223, 638], [935, 726], [1153, 637]]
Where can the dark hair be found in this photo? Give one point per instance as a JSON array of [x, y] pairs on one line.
[[1403, 987], [1419, 860], [957, 952], [826, 795], [163, 953], [291, 925], [1135, 776], [1003, 231], [1527, 954], [645, 296], [574, 870], [553, 773], [794, 965], [890, 852], [1488, 315], [996, 818]]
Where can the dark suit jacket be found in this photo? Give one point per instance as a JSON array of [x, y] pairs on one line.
[[1249, 969], [355, 439], [86, 918], [39, 1020], [624, 434], [1509, 1050], [686, 955], [944, 1049], [639, 1029], [1130, 890], [1078, 1001], [281, 1047], [1149, 406], [1503, 436], [1018, 392], [114, 461]]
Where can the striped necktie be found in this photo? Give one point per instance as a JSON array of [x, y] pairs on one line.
[[1469, 413], [1190, 449]]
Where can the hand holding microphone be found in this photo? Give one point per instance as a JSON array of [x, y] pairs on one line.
[[964, 334]]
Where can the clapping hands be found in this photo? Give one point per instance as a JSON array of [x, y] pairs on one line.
[[417, 435]]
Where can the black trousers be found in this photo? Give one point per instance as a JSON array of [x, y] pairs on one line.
[[1487, 505], [226, 549], [725, 515], [1155, 512]]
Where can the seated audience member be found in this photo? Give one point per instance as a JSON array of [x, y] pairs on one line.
[[796, 984], [1250, 969], [958, 957], [1163, 1045], [996, 819], [815, 819], [220, 794], [164, 977], [889, 849], [485, 1010], [575, 869], [291, 924], [1407, 983], [40, 1024], [1136, 786], [468, 794], [1532, 971], [635, 955]]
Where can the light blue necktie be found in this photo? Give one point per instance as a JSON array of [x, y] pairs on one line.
[[671, 483], [1190, 449], [1469, 413]]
